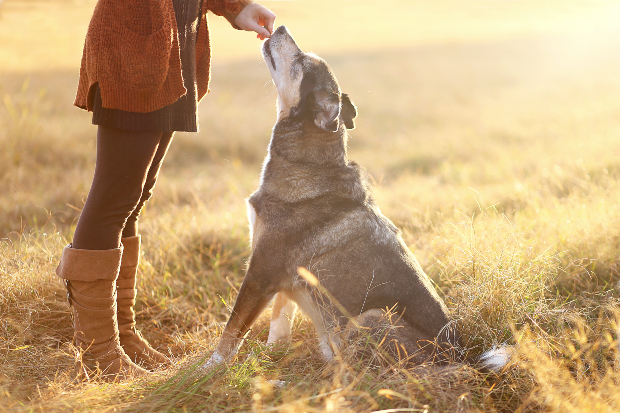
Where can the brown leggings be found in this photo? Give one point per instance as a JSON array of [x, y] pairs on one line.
[[126, 170]]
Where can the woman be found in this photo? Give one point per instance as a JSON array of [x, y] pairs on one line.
[[145, 67]]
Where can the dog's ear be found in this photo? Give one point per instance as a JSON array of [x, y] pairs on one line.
[[326, 111], [348, 111]]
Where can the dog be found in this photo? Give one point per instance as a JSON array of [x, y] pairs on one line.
[[313, 210]]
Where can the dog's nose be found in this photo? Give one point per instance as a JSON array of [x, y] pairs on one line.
[[281, 30]]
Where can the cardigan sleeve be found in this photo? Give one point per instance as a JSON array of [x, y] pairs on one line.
[[228, 9]]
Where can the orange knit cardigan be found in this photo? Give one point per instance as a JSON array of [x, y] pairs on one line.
[[132, 51]]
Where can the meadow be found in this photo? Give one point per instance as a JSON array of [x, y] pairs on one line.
[[491, 132]]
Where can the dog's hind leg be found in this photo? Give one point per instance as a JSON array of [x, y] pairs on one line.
[[252, 299], [282, 319], [400, 341], [322, 320]]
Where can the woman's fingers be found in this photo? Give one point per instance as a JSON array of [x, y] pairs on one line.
[[256, 18]]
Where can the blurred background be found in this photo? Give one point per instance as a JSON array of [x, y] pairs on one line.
[[49, 34], [490, 95]]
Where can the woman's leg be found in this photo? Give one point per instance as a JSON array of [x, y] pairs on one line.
[[91, 265], [124, 159], [131, 226], [134, 345]]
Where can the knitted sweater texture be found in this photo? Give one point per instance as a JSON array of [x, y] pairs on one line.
[[132, 52]]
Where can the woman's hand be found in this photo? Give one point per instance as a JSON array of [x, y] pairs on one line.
[[256, 18]]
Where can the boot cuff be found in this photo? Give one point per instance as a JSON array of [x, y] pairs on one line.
[[89, 265], [131, 251]]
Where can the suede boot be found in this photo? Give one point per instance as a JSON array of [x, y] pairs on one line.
[[135, 346], [90, 278]]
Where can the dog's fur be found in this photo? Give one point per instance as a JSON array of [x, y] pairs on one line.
[[313, 209]]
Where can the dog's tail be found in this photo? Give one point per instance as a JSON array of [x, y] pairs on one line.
[[495, 359]]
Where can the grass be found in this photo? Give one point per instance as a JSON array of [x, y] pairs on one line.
[[496, 155]]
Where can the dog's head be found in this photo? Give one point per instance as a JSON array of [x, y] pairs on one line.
[[307, 88]]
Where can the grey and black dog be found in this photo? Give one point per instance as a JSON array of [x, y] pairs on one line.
[[313, 209]]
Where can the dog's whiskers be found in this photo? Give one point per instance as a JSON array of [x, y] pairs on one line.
[[272, 90], [367, 291]]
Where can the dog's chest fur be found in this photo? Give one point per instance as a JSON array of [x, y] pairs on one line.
[[306, 180]]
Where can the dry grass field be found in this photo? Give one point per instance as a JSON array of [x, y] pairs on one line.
[[491, 131]]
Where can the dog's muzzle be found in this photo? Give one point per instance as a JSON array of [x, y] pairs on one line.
[[267, 53]]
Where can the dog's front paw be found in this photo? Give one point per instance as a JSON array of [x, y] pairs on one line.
[[214, 361], [278, 335]]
